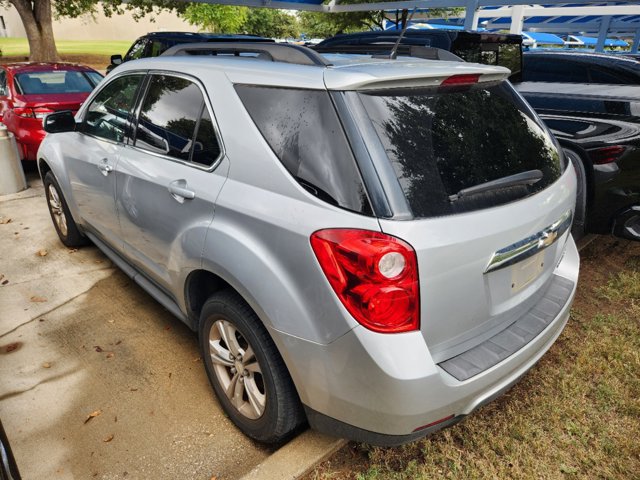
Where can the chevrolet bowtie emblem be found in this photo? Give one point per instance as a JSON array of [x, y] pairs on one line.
[[547, 238]]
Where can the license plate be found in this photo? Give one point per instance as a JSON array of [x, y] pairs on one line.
[[525, 272]]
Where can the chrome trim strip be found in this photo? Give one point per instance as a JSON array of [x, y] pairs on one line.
[[529, 246]]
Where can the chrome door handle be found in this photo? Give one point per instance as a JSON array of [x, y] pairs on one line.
[[178, 189]]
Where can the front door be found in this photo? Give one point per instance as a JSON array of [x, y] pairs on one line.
[[169, 178], [93, 152]]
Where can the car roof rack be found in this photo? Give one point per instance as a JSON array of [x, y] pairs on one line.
[[379, 49], [275, 52]]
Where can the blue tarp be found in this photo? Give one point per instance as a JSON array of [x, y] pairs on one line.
[[609, 42], [543, 38]]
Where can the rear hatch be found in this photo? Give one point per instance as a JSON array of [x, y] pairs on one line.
[[488, 200]]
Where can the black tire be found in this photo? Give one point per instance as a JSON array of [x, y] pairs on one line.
[[265, 376], [580, 212], [63, 222]]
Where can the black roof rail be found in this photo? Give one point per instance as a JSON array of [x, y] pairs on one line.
[[379, 49], [276, 52]]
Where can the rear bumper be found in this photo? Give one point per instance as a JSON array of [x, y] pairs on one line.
[[384, 389], [29, 134]]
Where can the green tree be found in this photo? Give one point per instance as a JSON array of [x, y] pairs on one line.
[[216, 18], [322, 25], [269, 22], [37, 16]]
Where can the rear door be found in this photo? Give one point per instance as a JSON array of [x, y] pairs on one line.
[[486, 252], [169, 178], [93, 152]]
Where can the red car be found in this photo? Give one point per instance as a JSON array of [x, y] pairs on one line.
[[29, 91]]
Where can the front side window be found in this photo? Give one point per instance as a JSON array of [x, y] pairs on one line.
[[303, 130], [444, 140], [108, 114], [3, 83], [137, 50], [174, 121]]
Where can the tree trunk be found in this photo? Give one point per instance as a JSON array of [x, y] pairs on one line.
[[37, 20]]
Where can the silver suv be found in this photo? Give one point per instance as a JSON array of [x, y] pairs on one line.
[[372, 246]]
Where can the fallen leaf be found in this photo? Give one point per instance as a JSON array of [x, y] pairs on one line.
[[46, 365], [110, 355], [197, 359], [12, 347], [213, 477], [108, 439], [98, 348], [37, 299], [5, 220], [133, 389], [4, 282], [115, 419], [118, 342], [42, 253], [98, 261], [72, 250], [92, 415], [41, 320]]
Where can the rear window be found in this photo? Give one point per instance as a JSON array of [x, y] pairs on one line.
[[303, 130], [59, 81], [442, 141]]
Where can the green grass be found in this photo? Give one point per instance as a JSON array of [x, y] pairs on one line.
[[19, 47]]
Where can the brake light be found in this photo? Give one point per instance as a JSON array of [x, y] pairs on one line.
[[604, 155], [27, 112], [463, 79], [24, 112], [374, 275]]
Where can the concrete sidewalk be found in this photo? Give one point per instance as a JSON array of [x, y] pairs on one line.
[[97, 380]]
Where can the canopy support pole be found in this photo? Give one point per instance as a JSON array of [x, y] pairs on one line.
[[517, 19], [471, 15], [604, 30]]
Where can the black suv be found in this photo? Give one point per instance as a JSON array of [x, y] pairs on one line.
[[500, 49], [156, 43]]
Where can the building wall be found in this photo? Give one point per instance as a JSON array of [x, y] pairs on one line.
[[118, 27]]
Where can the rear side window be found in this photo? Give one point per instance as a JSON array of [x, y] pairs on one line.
[[554, 69], [303, 130], [441, 141], [174, 121]]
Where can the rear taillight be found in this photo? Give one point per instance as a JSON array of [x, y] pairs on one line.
[[604, 155], [374, 275], [27, 112], [462, 79]]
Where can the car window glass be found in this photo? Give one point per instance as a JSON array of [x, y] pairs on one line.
[[3, 83], [554, 69], [94, 77], [609, 76], [169, 116], [206, 148], [444, 140], [107, 115], [304, 131], [53, 82], [137, 50]]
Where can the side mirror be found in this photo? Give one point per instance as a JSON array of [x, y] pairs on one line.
[[116, 59], [59, 122]]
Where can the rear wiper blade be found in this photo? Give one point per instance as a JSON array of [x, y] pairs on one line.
[[524, 178]]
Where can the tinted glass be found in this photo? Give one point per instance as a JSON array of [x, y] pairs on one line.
[[3, 83], [554, 69], [137, 50], [169, 115], [205, 149], [58, 81], [610, 76], [303, 129], [441, 141], [107, 115]]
